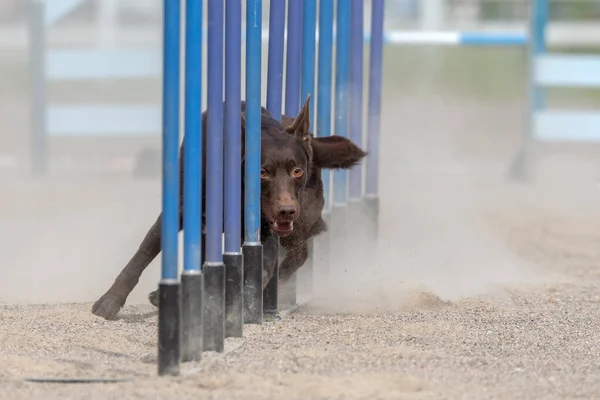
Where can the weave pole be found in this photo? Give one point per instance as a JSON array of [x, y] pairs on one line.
[[274, 103], [192, 279], [355, 94], [168, 313], [232, 257], [324, 103], [307, 88], [339, 212], [374, 116], [252, 248], [214, 269], [293, 65]]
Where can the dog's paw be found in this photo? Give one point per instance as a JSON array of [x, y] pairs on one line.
[[108, 306], [154, 298]]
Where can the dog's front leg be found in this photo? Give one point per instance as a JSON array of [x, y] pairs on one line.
[[270, 257], [111, 302], [295, 258]]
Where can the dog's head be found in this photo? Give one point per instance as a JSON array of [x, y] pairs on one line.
[[285, 163]]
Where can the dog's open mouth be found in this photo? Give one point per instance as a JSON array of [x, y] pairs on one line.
[[283, 228]]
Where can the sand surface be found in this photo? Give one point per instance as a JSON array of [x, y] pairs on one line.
[[479, 288]]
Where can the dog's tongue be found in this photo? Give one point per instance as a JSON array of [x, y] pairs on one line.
[[284, 226]]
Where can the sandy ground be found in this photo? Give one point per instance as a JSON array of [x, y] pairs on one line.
[[479, 288]]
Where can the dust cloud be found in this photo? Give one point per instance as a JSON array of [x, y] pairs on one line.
[[438, 241]]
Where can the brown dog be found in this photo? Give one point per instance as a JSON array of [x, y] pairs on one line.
[[291, 201]]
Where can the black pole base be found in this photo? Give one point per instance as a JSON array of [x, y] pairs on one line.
[[234, 294], [271, 294], [253, 293], [192, 291], [168, 328], [214, 307]]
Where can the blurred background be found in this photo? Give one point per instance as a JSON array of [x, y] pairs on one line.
[[446, 111]]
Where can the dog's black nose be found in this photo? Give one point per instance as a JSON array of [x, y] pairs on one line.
[[287, 212]]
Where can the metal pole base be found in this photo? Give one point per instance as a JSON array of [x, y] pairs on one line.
[[214, 307], [234, 294], [253, 276], [168, 328], [192, 291]]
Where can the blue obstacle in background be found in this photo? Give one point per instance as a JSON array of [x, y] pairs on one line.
[[552, 69]]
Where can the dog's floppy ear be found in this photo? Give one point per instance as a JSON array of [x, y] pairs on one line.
[[335, 152], [300, 127]]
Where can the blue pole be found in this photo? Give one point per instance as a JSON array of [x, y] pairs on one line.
[[309, 27], [324, 83], [214, 270], [356, 91], [168, 315], [292, 92], [214, 142], [192, 204], [233, 171], [252, 249], [275, 61], [341, 92], [274, 100], [192, 284], [170, 110], [233, 143], [253, 106], [293, 59], [374, 107], [324, 86]]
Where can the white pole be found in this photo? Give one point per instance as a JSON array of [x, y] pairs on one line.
[[107, 23]]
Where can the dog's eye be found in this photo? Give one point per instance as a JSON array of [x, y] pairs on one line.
[[263, 173], [298, 172]]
